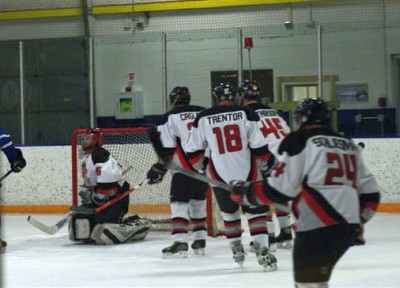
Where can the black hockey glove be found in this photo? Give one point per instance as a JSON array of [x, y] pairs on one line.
[[267, 167], [240, 189], [156, 173], [18, 163]]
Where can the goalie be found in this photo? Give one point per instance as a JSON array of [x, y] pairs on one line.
[[102, 176]]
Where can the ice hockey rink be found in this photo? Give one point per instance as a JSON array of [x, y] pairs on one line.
[[35, 259]]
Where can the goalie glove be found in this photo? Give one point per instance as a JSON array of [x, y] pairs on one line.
[[18, 163], [156, 173], [91, 197], [86, 196]]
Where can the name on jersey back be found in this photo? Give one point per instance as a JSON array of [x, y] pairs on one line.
[[331, 142], [226, 117], [188, 116], [267, 113]]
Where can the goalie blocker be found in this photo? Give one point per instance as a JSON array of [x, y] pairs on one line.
[[108, 226]]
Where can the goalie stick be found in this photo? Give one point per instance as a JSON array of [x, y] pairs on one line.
[[61, 223], [161, 153], [49, 229], [92, 211]]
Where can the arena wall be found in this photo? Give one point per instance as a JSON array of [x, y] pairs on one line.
[[44, 186]]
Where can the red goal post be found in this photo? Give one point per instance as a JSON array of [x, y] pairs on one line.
[[132, 148]]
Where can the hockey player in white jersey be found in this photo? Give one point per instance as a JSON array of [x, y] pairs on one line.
[[234, 140], [274, 128], [102, 181], [187, 195], [333, 192]]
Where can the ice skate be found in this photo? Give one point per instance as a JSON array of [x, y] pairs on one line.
[[199, 246], [284, 240], [176, 250], [265, 258], [238, 252], [3, 245]]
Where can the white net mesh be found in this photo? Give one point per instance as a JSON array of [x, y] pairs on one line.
[[132, 149]]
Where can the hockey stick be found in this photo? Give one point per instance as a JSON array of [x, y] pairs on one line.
[[76, 209], [160, 151], [5, 175], [49, 229], [60, 224]]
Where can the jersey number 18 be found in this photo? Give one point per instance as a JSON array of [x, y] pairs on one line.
[[228, 138]]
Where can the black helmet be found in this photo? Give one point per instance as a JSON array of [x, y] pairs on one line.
[[249, 90], [312, 111], [224, 91], [179, 96]]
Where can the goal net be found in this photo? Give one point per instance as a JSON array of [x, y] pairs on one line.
[[132, 148]]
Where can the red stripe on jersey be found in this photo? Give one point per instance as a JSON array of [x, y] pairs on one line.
[[295, 206], [196, 159], [254, 172], [258, 189], [211, 170], [317, 209], [182, 159]]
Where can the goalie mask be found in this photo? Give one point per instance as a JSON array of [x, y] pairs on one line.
[[249, 90], [93, 138], [179, 96], [312, 111], [224, 91]]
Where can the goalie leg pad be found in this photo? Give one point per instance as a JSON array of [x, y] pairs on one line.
[[79, 229], [109, 233]]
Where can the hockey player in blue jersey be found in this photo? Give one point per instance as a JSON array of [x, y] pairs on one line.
[[17, 162]]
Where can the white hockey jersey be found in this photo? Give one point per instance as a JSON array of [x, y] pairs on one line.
[[230, 133], [273, 127], [174, 132], [324, 174], [101, 170]]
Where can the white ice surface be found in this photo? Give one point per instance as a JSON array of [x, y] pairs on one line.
[[35, 259]]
